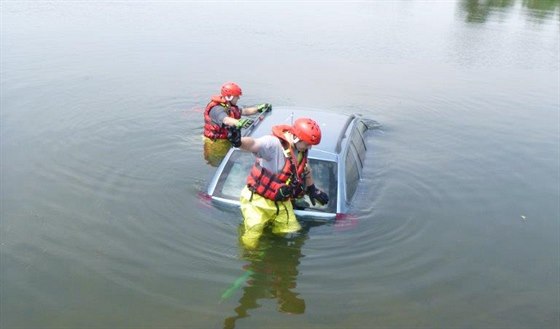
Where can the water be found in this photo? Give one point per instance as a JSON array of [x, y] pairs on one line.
[[455, 224]]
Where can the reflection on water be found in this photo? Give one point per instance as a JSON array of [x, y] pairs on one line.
[[270, 273], [479, 11]]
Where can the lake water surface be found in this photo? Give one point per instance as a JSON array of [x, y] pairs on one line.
[[455, 223]]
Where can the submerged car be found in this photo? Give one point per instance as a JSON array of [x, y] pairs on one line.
[[337, 162]]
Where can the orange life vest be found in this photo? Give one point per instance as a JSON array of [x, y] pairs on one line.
[[267, 184], [212, 130]]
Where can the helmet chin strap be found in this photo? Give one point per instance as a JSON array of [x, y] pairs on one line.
[[229, 98], [291, 138]]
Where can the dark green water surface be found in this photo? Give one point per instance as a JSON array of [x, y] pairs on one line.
[[455, 223]]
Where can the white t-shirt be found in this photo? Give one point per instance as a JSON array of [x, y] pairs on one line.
[[271, 153]]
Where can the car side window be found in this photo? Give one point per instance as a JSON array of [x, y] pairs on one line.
[[324, 175], [357, 140], [352, 174]]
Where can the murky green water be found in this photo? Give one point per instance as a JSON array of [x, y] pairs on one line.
[[456, 221]]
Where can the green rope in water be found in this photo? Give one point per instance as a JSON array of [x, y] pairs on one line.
[[237, 284]]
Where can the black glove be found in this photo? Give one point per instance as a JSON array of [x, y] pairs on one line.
[[264, 108], [297, 189], [234, 136], [317, 195], [284, 193]]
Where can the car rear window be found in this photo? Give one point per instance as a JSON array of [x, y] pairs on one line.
[[234, 177]]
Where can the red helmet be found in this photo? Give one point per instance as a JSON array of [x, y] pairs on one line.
[[307, 130], [231, 89]]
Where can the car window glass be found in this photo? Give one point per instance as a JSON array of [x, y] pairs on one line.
[[352, 174], [359, 157], [324, 175], [357, 140], [234, 176], [362, 127]]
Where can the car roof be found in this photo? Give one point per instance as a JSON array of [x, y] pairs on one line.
[[333, 122]]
